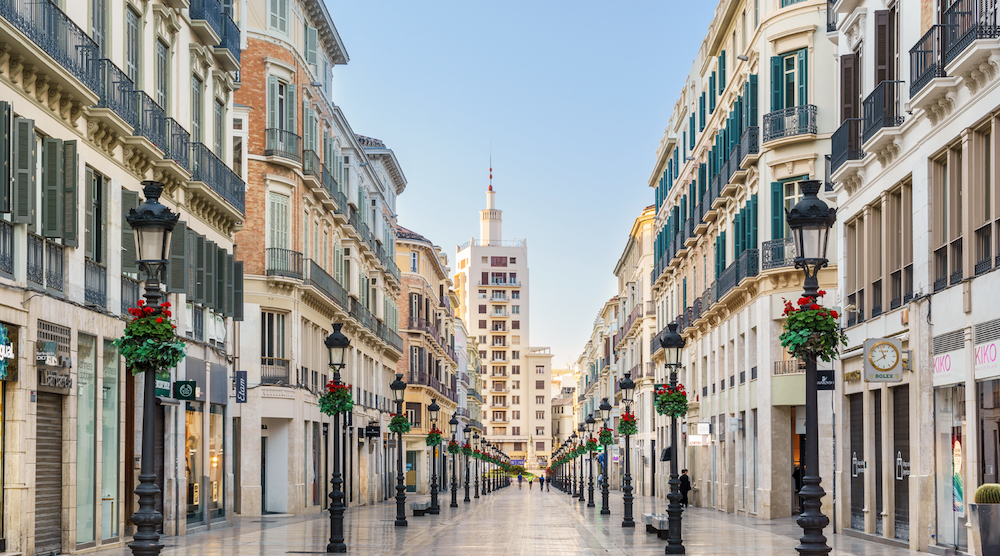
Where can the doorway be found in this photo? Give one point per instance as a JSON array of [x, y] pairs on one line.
[[263, 474]]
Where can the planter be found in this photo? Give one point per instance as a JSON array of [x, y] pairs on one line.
[[985, 528]]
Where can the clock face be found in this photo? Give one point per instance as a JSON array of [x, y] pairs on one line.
[[883, 356]]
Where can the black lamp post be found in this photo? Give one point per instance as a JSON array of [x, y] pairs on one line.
[[672, 344], [336, 345], [582, 429], [433, 410], [398, 388], [453, 423], [810, 221], [590, 421], [628, 390], [605, 408], [465, 437], [475, 446], [153, 223], [572, 467]]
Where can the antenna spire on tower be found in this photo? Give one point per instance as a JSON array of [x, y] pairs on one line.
[[491, 165]]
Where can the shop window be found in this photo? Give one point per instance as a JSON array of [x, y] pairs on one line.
[[216, 460], [193, 466], [86, 444], [109, 441]]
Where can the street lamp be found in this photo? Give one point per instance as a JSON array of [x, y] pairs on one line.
[[433, 409], [475, 446], [153, 223], [590, 461], [398, 388], [336, 345], [582, 429], [672, 344], [453, 423], [465, 437], [572, 467], [810, 221], [605, 408], [628, 389]]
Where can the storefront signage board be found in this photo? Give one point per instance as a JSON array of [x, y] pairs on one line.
[[987, 360], [949, 368]]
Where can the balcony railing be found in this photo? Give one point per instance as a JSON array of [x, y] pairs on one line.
[[733, 164], [984, 248], [55, 264], [876, 298], [744, 267], [789, 122], [956, 262], [321, 279], [278, 142], [6, 249], [95, 283], [941, 268], [927, 59], [283, 262], [36, 259], [275, 370], [846, 143], [881, 109], [130, 293], [902, 286], [208, 168], [361, 314], [778, 253], [749, 142], [150, 120], [230, 36], [115, 90], [210, 11], [311, 164], [55, 33], [966, 21], [178, 147], [789, 367]]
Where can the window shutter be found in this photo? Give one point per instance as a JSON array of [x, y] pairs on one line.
[[312, 39], [221, 278], [803, 57], [210, 260], [777, 212], [486, 278], [305, 125], [238, 291], [272, 98], [177, 270], [283, 15], [199, 272], [711, 98], [883, 52], [274, 14], [776, 95], [130, 200], [229, 308], [88, 205], [292, 104], [848, 87], [52, 176], [722, 71], [752, 101], [70, 200], [191, 242], [6, 144], [24, 172], [753, 222], [102, 250]]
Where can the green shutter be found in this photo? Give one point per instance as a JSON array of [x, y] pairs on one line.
[[210, 260], [711, 98], [70, 201], [190, 262], [221, 277], [311, 44], [305, 125], [701, 112], [24, 172], [722, 71], [52, 178], [803, 57], [753, 222], [272, 100], [777, 212], [88, 206], [752, 102], [177, 269], [292, 104], [199, 269], [776, 89], [230, 285], [101, 205], [238, 291], [6, 144], [130, 200]]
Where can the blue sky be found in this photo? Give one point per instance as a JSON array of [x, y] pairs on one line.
[[573, 96]]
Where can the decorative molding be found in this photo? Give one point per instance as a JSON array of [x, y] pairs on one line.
[[888, 152]]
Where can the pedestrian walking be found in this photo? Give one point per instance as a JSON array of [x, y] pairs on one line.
[[685, 487], [530, 479], [541, 483], [519, 480], [600, 480]]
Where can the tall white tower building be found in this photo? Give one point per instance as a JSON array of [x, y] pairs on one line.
[[492, 285]]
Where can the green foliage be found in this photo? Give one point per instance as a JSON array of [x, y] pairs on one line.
[[671, 401], [149, 342], [336, 399], [516, 470], [453, 447], [988, 493], [399, 424], [628, 425], [812, 330], [434, 438], [607, 437]]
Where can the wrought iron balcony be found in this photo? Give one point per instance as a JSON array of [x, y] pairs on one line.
[[178, 147], [984, 248], [316, 276], [150, 121], [36, 259], [206, 19], [778, 253], [846, 143], [95, 288], [278, 142], [130, 293], [967, 21], [6, 249], [116, 91], [749, 143], [789, 122], [283, 262], [881, 109], [208, 168], [311, 165], [275, 370], [927, 59], [230, 43]]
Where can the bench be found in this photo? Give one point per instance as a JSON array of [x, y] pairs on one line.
[[656, 523], [420, 508]]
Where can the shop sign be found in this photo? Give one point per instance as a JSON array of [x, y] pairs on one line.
[[46, 354], [55, 378], [517, 462], [241, 387], [373, 431], [949, 368], [163, 384], [185, 390], [697, 440], [8, 359], [987, 363], [704, 429], [825, 380], [883, 360]]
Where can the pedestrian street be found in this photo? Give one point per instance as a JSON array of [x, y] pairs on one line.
[[508, 522]]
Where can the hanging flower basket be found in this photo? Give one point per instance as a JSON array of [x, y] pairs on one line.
[[671, 401], [434, 437], [453, 447], [336, 399], [591, 444], [399, 424], [812, 330], [467, 450], [150, 342], [607, 437], [476, 454], [628, 425]]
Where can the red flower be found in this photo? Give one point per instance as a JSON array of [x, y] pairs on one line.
[[165, 304], [822, 293], [168, 313], [803, 300], [148, 310], [834, 314], [141, 302], [159, 320], [815, 307]]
